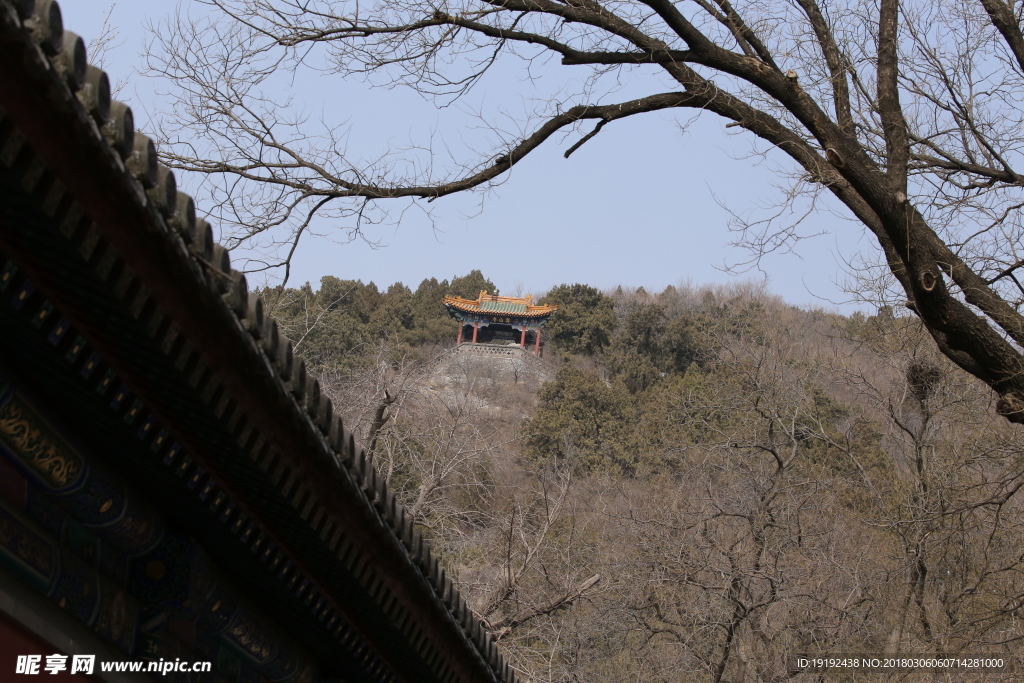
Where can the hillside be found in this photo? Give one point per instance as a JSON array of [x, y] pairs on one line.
[[713, 480]]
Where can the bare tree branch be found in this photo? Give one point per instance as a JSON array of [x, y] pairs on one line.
[[909, 115]]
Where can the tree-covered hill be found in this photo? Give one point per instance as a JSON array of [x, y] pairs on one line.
[[337, 326], [713, 481]]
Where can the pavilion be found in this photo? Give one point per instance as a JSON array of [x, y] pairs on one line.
[[491, 318]]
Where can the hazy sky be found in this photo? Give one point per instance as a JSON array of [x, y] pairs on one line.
[[639, 205]]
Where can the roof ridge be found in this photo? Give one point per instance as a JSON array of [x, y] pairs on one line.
[[79, 93]]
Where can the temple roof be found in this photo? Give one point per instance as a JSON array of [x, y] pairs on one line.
[[492, 303], [120, 310]]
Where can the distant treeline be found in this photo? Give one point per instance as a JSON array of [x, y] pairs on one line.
[[623, 355], [638, 337], [337, 326]]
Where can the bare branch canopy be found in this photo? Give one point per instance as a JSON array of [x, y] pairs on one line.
[[908, 113]]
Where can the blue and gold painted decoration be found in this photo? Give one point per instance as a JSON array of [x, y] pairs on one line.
[[152, 633], [77, 588], [56, 572], [97, 499], [251, 640], [163, 637], [265, 651], [215, 607], [110, 561], [104, 505], [37, 446], [23, 497], [96, 502], [161, 576], [7, 275], [156, 642], [180, 578], [22, 294], [77, 535], [119, 618], [80, 541], [28, 554]]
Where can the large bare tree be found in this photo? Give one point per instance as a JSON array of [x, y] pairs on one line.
[[909, 114]]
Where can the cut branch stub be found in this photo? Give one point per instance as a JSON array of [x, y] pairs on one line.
[[834, 158], [1011, 407]]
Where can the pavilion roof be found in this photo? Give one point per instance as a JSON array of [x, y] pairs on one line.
[[492, 303]]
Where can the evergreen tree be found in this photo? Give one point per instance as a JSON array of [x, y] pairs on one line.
[[585, 319]]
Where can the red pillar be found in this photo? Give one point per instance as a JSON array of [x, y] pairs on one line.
[[536, 346], [476, 328], [459, 340], [522, 339]]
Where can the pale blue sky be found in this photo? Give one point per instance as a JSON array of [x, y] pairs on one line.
[[638, 205]]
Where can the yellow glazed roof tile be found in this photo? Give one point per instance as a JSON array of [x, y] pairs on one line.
[[492, 303]]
